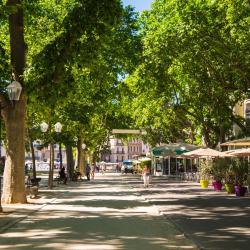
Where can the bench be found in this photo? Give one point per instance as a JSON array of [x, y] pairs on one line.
[[35, 182], [31, 186], [59, 180], [32, 191]]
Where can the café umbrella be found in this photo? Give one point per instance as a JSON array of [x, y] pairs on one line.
[[204, 152], [243, 152]]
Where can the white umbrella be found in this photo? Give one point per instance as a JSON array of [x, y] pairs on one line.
[[205, 152], [242, 152]]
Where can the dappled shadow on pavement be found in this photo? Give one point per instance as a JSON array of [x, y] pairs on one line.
[[102, 214], [215, 220]]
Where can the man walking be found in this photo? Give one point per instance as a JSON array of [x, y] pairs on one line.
[[88, 169]]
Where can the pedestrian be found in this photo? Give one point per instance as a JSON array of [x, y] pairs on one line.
[[63, 175], [145, 176], [88, 169], [102, 169], [92, 172], [77, 174]]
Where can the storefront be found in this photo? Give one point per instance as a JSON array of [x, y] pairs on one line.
[[167, 159]]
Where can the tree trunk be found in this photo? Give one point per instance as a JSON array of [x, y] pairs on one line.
[[70, 161], [80, 156], [14, 174], [33, 159], [14, 114]]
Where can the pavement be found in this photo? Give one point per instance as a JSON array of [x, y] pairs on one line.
[[115, 212]]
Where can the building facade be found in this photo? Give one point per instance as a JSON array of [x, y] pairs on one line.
[[243, 110], [121, 150]]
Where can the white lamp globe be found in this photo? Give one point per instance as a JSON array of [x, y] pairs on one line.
[[58, 127], [44, 127]]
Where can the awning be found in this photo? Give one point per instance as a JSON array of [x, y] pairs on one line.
[[205, 152], [243, 152], [240, 142], [173, 149]]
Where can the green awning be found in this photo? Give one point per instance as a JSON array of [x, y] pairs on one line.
[[173, 149]]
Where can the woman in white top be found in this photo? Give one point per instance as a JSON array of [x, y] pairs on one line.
[[145, 176]]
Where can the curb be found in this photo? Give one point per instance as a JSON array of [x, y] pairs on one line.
[[195, 244], [8, 225], [186, 235]]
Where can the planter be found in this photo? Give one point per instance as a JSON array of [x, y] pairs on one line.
[[229, 188], [204, 183], [240, 191], [217, 185]]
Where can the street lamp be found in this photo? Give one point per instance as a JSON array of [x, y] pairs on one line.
[[83, 146], [44, 128], [58, 129], [14, 91]]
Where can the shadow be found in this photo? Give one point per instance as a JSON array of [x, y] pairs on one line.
[[112, 214], [214, 220], [102, 215]]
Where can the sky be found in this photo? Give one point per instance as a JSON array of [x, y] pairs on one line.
[[138, 4]]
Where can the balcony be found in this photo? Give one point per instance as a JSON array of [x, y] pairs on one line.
[[120, 152]]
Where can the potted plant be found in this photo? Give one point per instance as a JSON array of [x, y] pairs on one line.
[[205, 172], [218, 172], [248, 180], [229, 182], [240, 170]]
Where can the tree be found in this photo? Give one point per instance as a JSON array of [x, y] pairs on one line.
[[83, 26], [193, 53], [14, 113]]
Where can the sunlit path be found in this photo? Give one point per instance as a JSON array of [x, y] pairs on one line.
[[107, 213]]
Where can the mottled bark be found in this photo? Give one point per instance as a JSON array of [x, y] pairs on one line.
[[33, 159], [81, 156], [70, 160], [14, 174], [14, 114]]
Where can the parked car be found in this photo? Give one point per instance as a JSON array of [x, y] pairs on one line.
[[127, 167]]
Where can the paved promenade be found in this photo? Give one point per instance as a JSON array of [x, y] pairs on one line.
[[116, 212], [107, 213]]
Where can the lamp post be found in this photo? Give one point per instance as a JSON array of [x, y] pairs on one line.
[[58, 129], [13, 90], [44, 127], [83, 146]]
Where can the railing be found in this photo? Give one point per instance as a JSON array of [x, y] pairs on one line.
[[120, 152]]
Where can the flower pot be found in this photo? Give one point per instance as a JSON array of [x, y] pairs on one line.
[[217, 185], [229, 188], [204, 183], [240, 191]]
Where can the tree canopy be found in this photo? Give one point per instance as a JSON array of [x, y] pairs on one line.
[[194, 69]]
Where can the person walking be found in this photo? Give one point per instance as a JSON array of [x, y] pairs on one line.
[[145, 176], [88, 169], [92, 171], [63, 175]]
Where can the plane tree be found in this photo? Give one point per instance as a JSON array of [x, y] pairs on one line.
[[42, 71], [193, 69], [87, 103]]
